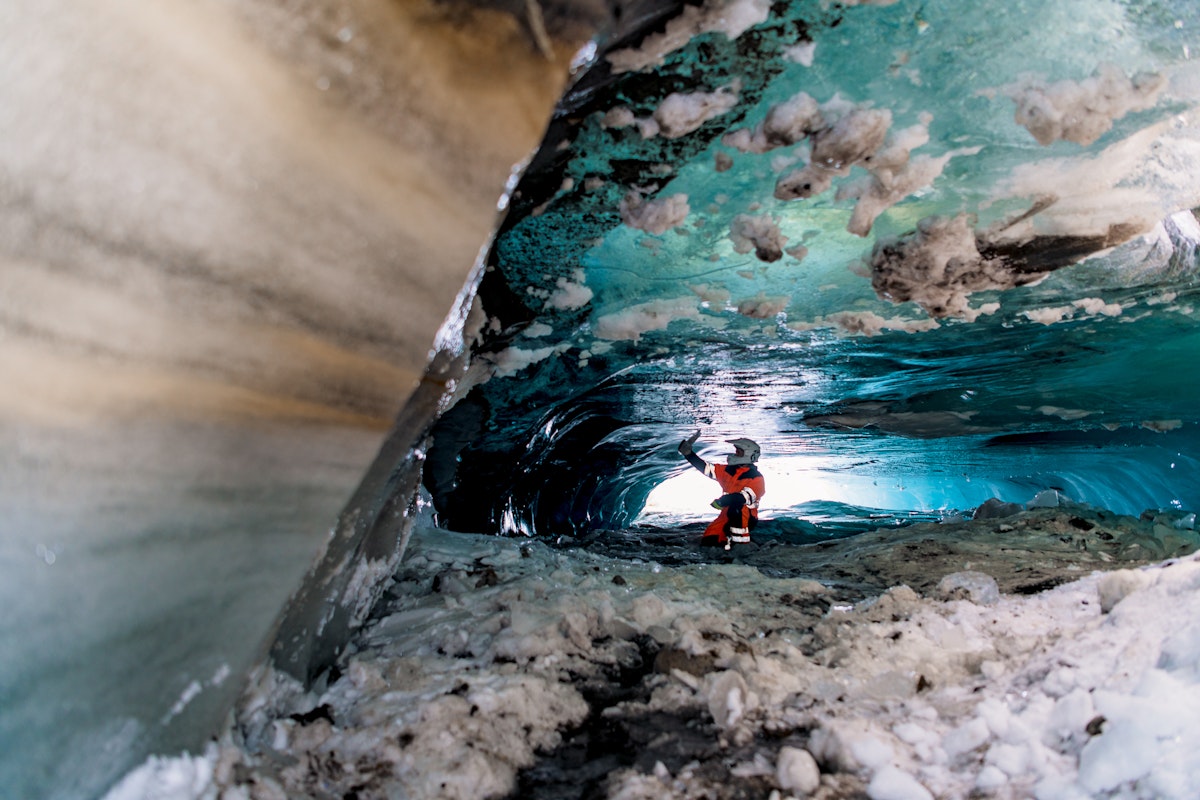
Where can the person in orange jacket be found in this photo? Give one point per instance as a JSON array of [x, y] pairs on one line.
[[742, 486]]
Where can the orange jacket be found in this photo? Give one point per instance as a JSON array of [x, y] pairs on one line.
[[743, 487]]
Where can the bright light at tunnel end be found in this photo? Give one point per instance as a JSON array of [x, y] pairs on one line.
[[791, 481]]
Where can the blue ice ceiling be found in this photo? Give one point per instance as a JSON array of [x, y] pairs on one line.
[[946, 255]]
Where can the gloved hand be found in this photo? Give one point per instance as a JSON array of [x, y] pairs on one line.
[[685, 447], [716, 503]]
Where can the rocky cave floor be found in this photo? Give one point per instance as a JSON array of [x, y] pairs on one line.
[[984, 658]]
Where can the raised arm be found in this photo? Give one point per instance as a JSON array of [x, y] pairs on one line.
[[685, 450]]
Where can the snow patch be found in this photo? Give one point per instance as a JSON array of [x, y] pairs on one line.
[[785, 124], [512, 360], [570, 294], [679, 114], [183, 777], [1048, 315], [713, 295], [868, 323], [655, 217], [655, 315], [1094, 306], [1081, 111], [1125, 190], [938, 267], [758, 233], [762, 307], [802, 53], [730, 17]]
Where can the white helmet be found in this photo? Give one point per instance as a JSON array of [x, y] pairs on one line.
[[747, 452]]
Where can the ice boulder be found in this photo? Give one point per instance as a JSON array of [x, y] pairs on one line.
[[978, 587]]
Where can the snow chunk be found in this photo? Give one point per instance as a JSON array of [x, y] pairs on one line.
[[679, 114], [855, 136], [1082, 111], [886, 187], [802, 53], [892, 783], [1113, 587], [785, 124], [512, 360], [654, 216], [730, 17], [762, 307], [760, 234], [162, 778], [938, 267], [654, 315], [850, 745], [868, 323], [1094, 305], [713, 295], [570, 294], [796, 770], [1064, 413], [978, 587], [1048, 315], [619, 117], [852, 138]]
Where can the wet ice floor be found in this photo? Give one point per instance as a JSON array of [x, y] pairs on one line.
[[502, 667]]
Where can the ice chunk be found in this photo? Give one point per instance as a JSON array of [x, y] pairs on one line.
[[728, 697], [1047, 498], [977, 587], [995, 508]]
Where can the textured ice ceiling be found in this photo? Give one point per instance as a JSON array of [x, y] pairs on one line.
[[947, 252]]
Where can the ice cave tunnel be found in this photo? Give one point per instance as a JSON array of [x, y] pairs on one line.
[[870, 239], [926, 257]]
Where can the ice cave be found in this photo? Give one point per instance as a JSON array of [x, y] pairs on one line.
[[349, 347]]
